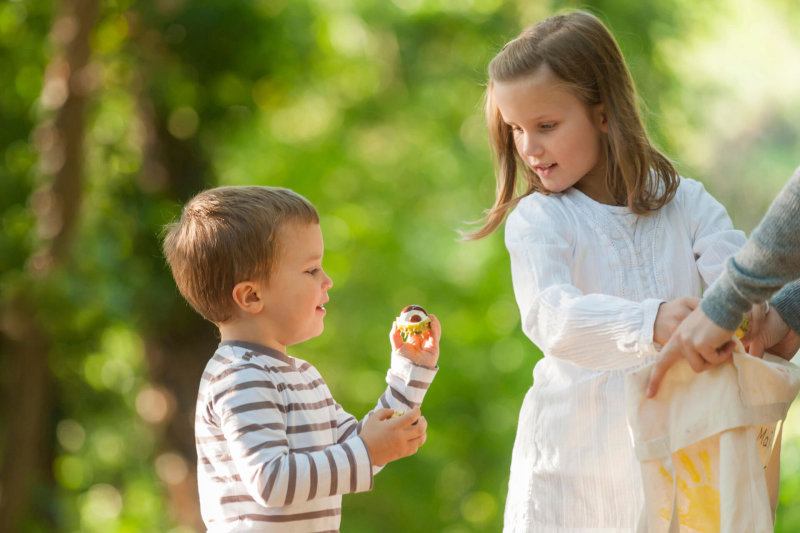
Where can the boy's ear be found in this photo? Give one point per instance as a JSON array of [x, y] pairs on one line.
[[248, 296]]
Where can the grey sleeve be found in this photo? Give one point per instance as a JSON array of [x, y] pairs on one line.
[[769, 260], [787, 303]]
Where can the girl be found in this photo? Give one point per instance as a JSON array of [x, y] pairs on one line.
[[609, 248]]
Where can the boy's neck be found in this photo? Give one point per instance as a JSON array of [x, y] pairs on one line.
[[246, 330]]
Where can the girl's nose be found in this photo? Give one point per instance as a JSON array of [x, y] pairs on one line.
[[530, 146]]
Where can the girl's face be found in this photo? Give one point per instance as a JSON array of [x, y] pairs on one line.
[[559, 137]]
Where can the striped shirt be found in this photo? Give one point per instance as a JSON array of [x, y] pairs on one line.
[[275, 451]]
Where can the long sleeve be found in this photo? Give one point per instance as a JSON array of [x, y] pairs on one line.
[[589, 279], [407, 384], [787, 303], [596, 331], [275, 451], [769, 260], [713, 237], [255, 421]]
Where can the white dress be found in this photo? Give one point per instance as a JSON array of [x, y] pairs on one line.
[[589, 279]]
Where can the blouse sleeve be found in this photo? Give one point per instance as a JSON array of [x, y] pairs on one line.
[[714, 239], [595, 331]]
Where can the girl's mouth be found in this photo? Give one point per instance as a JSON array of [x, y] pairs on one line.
[[545, 170]]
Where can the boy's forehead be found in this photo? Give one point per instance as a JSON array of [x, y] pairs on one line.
[[300, 240]]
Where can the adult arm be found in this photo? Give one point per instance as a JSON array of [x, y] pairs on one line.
[[787, 303], [769, 260]]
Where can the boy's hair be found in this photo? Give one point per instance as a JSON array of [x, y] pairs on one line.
[[228, 235], [581, 51]]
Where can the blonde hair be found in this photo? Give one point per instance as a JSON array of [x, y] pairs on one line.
[[581, 51], [228, 235]]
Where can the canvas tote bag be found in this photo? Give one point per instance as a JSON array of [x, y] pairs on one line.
[[709, 444]]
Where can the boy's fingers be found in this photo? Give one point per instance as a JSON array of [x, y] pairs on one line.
[[436, 327], [416, 442], [408, 418], [383, 413], [418, 427], [395, 337]]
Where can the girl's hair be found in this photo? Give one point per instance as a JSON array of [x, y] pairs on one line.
[[228, 235], [580, 51]]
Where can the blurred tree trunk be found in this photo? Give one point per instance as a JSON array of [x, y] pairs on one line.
[[176, 356], [27, 450]]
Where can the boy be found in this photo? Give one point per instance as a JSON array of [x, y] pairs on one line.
[[275, 451]]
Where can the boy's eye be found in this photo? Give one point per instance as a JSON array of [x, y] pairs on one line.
[[547, 125], [312, 271]]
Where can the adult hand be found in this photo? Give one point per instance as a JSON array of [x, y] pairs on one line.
[[699, 340], [775, 337], [755, 320]]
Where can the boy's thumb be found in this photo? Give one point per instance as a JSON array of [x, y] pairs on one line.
[[384, 413]]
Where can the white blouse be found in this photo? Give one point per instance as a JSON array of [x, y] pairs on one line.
[[589, 279]]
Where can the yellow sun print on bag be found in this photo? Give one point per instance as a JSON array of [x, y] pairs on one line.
[[698, 499]]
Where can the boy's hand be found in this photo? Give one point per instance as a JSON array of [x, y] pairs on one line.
[[670, 315], [388, 439], [422, 349]]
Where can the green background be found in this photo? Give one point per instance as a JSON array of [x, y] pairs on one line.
[[373, 110]]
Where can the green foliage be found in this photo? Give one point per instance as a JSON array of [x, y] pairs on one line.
[[372, 110]]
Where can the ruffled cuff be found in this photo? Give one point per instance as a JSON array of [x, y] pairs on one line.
[[645, 343]]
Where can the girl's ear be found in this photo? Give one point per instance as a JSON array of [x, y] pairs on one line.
[[247, 296], [601, 119]]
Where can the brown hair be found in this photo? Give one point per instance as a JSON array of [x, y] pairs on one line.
[[581, 51], [228, 235]]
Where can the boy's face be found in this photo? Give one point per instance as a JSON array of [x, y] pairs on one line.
[[297, 290]]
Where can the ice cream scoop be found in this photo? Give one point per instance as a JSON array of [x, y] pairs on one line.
[[413, 320]]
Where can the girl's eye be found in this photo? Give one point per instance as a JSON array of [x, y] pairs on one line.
[[516, 129], [547, 126]]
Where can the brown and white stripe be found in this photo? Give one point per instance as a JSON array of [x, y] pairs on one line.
[[275, 451]]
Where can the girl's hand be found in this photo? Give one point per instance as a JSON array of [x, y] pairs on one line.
[[422, 349], [751, 339], [670, 315]]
